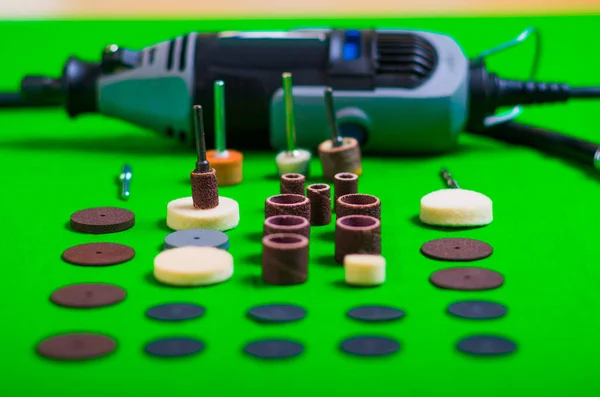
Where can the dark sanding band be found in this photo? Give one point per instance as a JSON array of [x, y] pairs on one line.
[[88, 295], [456, 249], [287, 224], [285, 259], [486, 345], [98, 254], [335, 160], [102, 220], [358, 204], [357, 234], [319, 195], [467, 279], [77, 346], [288, 204], [367, 346], [174, 347], [205, 189], [344, 183], [274, 349], [292, 184]]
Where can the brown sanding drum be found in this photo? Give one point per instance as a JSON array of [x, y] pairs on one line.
[[205, 189], [344, 183], [319, 195], [285, 259], [292, 184], [345, 158], [358, 204], [286, 224], [357, 234], [288, 204]]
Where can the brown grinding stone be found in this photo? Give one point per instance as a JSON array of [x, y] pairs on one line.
[[467, 279], [320, 204], [72, 347], [88, 295], [456, 249], [102, 220], [205, 189], [358, 204], [357, 234], [288, 204], [335, 160], [292, 184], [98, 254], [285, 259], [287, 224]]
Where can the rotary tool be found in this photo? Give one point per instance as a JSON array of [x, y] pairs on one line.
[[396, 91]]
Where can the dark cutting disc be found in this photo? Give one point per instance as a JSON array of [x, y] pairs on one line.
[[102, 220], [274, 349], [486, 346], [197, 238], [98, 254], [277, 313], [175, 311], [76, 347], [456, 249], [467, 279], [88, 295], [370, 346], [375, 313], [174, 347], [477, 310]]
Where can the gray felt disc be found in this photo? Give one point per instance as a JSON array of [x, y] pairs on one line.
[[486, 346], [277, 313], [197, 238], [274, 349], [375, 313], [370, 346], [174, 347], [175, 311], [477, 310]]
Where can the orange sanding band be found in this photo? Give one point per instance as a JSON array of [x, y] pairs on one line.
[[229, 169]]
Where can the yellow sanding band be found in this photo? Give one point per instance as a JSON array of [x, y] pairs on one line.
[[346, 158], [229, 168]]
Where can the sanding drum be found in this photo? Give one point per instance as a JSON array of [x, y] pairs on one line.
[[344, 158], [357, 234], [205, 189], [358, 204], [286, 224], [288, 204], [285, 259]]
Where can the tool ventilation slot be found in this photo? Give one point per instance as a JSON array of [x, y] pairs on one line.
[[404, 60]]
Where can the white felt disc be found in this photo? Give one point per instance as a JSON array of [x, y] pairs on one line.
[[182, 215], [191, 266], [456, 207], [298, 164]]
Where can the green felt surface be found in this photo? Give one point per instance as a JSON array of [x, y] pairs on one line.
[[543, 235]]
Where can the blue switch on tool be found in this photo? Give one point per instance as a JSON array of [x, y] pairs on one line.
[[352, 45]]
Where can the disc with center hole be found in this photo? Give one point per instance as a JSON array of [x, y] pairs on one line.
[[98, 254], [370, 346], [174, 347], [79, 346], [375, 313], [484, 345], [456, 249], [102, 220], [274, 349], [197, 238], [175, 312], [477, 310], [467, 279], [88, 295], [277, 313]]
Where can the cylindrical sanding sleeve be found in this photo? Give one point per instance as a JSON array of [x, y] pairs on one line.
[[205, 189], [285, 259], [335, 160], [357, 234], [287, 224], [358, 204], [288, 204], [292, 184], [320, 204], [344, 183]]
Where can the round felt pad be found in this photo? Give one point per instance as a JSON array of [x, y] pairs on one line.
[[375, 313], [76, 347], [98, 254], [486, 346], [456, 249], [274, 349], [477, 310], [102, 220], [174, 347], [370, 346], [175, 312], [88, 295], [277, 313], [198, 238], [467, 279]]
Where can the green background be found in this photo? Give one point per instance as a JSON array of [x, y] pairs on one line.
[[543, 235]]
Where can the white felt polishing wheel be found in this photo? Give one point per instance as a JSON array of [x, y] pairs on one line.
[[364, 270], [456, 207], [298, 164], [193, 266], [182, 215]]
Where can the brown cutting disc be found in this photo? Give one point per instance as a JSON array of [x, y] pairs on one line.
[[98, 254], [456, 249], [88, 295], [76, 346], [102, 220], [467, 279]]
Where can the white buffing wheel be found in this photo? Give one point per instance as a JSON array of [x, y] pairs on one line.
[[364, 270], [182, 215], [456, 207], [193, 266], [298, 164]]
